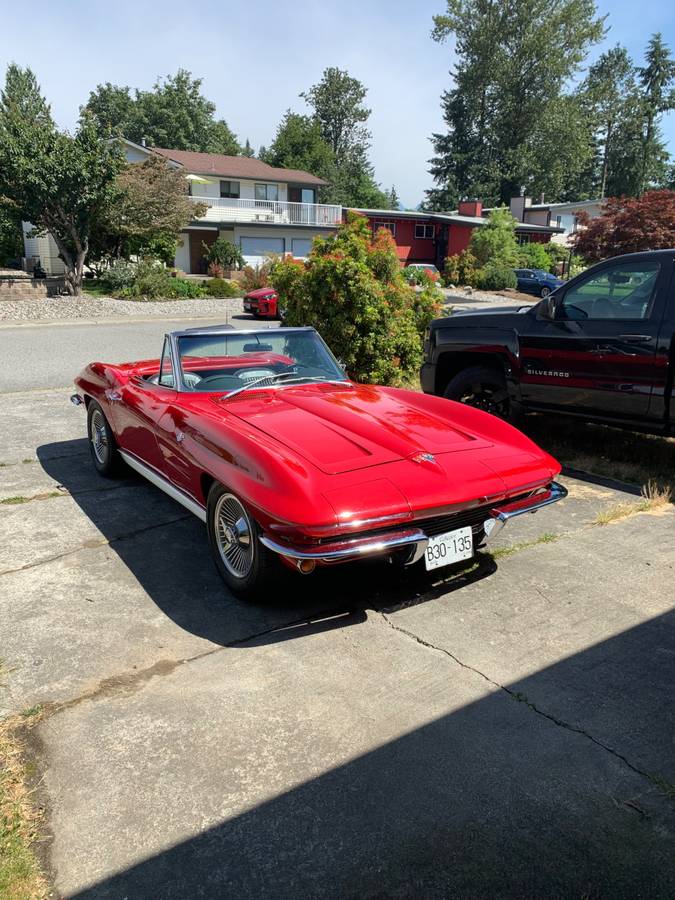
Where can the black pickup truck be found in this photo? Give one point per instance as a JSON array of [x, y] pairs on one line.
[[601, 347]]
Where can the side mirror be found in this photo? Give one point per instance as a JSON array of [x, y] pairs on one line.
[[547, 308]]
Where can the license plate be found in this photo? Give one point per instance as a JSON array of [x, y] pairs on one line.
[[448, 548]]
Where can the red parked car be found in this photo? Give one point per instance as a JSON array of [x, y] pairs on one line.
[[262, 303], [264, 438]]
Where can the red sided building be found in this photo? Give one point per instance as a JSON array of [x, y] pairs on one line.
[[428, 237]]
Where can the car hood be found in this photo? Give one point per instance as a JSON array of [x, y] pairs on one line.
[[343, 428], [260, 292]]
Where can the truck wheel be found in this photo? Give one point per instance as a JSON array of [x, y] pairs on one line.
[[482, 387]]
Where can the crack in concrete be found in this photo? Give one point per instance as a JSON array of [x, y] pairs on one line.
[[655, 780], [94, 543]]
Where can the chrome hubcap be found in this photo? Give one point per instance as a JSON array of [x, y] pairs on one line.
[[234, 536], [99, 439]]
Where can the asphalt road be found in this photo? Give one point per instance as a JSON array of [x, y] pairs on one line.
[[49, 355]]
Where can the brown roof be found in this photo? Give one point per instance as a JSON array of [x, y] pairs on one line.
[[235, 166]]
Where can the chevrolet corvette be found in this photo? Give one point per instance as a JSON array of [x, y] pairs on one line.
[[261, 435]]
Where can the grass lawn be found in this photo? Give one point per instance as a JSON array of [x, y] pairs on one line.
[[92, 288], [20, 875]]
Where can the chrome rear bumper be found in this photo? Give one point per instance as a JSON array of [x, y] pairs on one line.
[[413, 538]]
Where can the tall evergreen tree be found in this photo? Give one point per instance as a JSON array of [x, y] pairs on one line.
[[337, 104], [609, 93], [657, 79], [513, 63]]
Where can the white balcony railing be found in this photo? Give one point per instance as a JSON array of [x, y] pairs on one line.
[[276, 212]]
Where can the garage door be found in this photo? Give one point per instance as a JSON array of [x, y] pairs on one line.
[[301, 247], [254, 249]]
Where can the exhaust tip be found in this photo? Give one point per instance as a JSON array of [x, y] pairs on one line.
[[305, 566], [76, 400]]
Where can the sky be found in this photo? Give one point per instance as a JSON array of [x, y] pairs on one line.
[[256, 57]]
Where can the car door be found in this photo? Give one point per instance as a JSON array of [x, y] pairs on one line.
[[598, 353], [527, 281], [138, 406]]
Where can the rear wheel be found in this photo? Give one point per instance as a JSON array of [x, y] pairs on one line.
[[482, 387], [545, 291], [244, 564], [102, 443]]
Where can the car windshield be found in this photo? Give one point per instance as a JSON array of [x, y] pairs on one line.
[[232, 362]]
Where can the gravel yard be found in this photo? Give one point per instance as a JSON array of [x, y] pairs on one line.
[[87, 307]]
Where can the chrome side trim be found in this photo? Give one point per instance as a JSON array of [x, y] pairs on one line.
[[343, 551], [500, 515], [164, 484]]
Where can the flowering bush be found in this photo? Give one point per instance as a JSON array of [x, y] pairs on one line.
[[257, 276], [460, 269], [351, 289], [419, 277]]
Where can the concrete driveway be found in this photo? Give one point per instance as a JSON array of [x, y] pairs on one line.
[[502, 731]]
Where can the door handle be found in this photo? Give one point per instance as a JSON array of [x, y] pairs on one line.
[[635, 338]]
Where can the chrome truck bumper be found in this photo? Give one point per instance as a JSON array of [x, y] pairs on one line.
[[413, 538]]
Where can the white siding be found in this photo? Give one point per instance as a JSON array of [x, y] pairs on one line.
[[246, 188], [43, 248]]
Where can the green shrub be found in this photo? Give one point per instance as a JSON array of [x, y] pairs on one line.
[[184, 289], [495, 242], [460, 269], [351, 289], [535, 256], [419, 277], [221, 287], [257, 276], [119, 275], [224, 253], [496, 278]]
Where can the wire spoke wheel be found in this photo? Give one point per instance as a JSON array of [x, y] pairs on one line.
[[234, 536], [99, 437]]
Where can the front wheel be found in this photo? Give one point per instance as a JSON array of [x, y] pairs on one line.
[[244, 564], [481, 387], [102, 443], [544, 292]]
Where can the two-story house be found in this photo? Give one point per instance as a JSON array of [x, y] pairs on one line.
[[260, 208]]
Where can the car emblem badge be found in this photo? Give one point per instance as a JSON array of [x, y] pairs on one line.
[[424, 457]]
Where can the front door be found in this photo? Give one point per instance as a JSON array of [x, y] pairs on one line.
[[599, 352], [198, 264]]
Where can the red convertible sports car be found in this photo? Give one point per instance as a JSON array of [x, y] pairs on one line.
[[262, 435]]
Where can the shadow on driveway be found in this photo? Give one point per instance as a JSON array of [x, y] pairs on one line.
[[171, 561]]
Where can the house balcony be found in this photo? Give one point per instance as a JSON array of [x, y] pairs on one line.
[[269, 212]]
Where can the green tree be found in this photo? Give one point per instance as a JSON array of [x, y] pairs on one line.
[[299, 144], [247, 149], [514, 61], [151, 208], [609, 94], [11, 237], [173, 114], [657, 80], [495, 242], [60, 183], [337, 104], [393, 201], [352, 288]]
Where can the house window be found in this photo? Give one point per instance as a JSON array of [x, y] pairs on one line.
[[523, 238], [229, 189], [267, 192], [424, 232], [390, 226]]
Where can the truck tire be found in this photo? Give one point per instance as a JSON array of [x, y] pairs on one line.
[[483, 387]]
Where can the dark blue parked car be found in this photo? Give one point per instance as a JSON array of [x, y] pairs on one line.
[[536, 281]]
